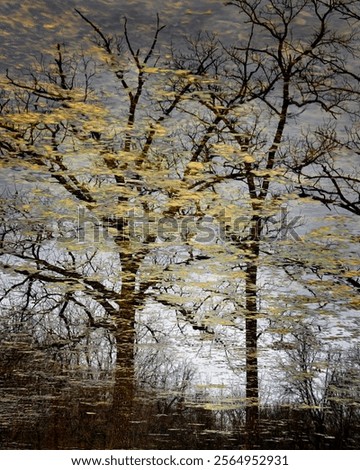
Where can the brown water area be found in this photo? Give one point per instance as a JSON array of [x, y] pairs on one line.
[[45, 405]]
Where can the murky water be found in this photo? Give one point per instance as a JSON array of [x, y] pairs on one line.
[[46, 405]]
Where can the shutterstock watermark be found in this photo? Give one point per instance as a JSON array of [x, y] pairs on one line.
[[86, 227]]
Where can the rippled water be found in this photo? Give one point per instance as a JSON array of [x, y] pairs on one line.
[[45, 405], [71, 374]]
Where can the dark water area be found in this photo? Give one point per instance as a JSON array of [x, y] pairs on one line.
[[47, 406]]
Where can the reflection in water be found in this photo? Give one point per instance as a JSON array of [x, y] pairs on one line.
[[48, 406], [185, 159]]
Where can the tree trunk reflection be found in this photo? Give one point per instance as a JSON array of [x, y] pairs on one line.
[[251, 340]]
